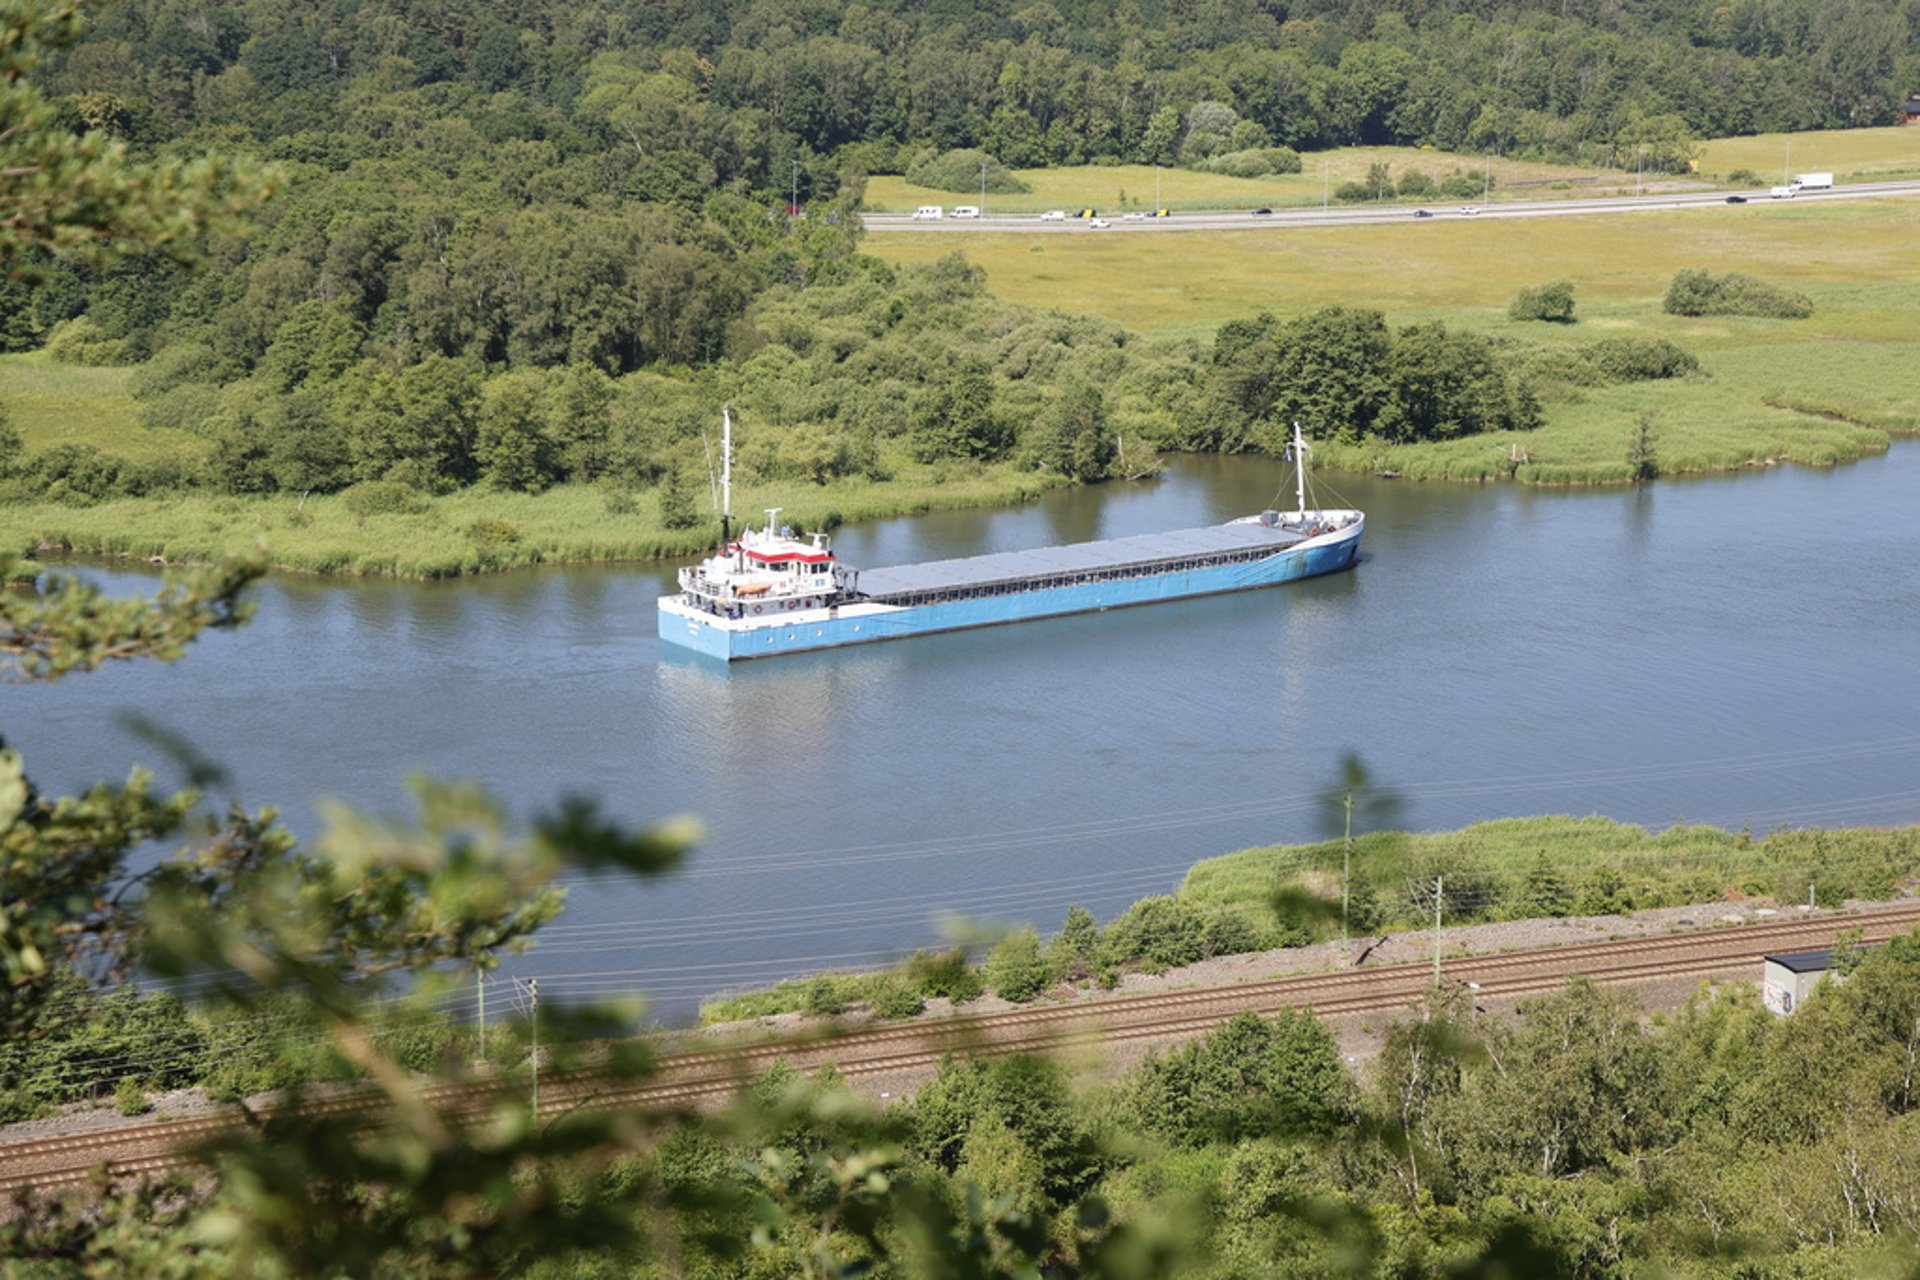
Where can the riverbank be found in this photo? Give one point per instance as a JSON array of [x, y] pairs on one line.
[[482, 531], [1245, 904], [476, 531]]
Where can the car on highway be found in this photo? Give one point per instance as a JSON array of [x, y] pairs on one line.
[[1423, 213], [1261, 213], [1133, 217], [966, 211], [1736, 199], [1468, 210], [1099, 223], [1054, 215], [928, 211]]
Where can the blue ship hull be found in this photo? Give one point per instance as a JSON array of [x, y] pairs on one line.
[[866, 622]]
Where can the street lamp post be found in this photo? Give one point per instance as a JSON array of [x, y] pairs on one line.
[[983, 188]]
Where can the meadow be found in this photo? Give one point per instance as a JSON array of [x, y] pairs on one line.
[[1820, 390], [1132, 186], [51, 403], [1857, 155]]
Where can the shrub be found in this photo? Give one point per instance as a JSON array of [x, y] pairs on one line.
[[1415, 183], [1258, 162], [129, 1099], [677, 507], [1073, 953], [1701, 293], [1552, 301], [11, 446], [1252, 1077], [76, 474], [1640, 359], [959, 170], [489, 532], [81, 341], [821, 997], [895, 999], [1015, 967], [187, 362], [384, 497], [945, 974], [1160, 932]]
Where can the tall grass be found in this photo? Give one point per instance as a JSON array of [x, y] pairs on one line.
[[569, 525], [1494, 870]]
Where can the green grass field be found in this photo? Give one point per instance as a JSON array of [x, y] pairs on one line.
[[1819, 390], [54, 403], [1851, 155], [1859, 155], [1132, 186]]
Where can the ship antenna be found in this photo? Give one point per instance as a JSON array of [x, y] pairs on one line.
[[726, 476], [1299, 469]]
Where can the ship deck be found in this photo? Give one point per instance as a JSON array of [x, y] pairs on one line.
[[1080, 562]]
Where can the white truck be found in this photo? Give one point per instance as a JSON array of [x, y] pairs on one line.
[[1813, 182], [1782, 193]]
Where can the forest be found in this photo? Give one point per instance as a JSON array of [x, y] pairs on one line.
[[522, 246]]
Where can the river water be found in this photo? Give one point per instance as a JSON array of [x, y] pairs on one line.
[[1737, 650]]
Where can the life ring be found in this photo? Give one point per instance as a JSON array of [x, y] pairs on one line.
[[759, 608]]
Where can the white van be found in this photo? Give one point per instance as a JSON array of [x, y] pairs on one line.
[[965, 211], [932, 211]]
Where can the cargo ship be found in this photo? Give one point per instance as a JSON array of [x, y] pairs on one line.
[[773, 590]]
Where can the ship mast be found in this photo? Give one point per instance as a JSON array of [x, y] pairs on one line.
[[1299, 469], [726, 476]]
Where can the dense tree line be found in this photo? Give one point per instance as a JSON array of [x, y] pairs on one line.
[[512, 242]]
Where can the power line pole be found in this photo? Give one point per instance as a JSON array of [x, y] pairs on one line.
[[480, 985], [1439, 899], [1346, 873], [1439, 892]]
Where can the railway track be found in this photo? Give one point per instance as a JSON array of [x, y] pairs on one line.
[[129, 1152]]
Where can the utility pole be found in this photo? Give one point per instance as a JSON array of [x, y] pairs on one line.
[[533, 992], [1439, 891], [1346, 871], [480, 985], [1156, 186], [1326, 185], [983, 188]]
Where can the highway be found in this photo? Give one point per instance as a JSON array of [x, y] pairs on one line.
[[1371, 215]]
